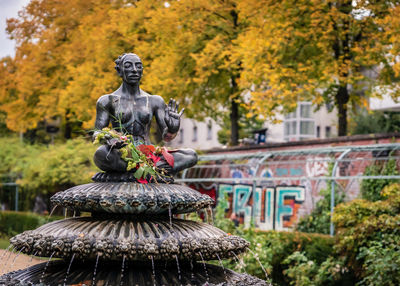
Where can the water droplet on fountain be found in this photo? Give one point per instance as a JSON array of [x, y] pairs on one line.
[[170, 215], [69, 268], [259, 262], [122, 271], [222, 265], [33, 255], [211, 215], [191, 269], [205, 267], [240, 262], [15, 257], [8, 258], [5, 251], [154, 271], [51, 213], [95, 270], [45, 268], [179, 270]]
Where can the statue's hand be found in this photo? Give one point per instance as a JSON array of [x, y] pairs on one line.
[[172, 117], [115, 142]]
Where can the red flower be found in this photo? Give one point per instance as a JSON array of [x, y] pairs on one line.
[[142, 181], [124, 138], [154, 158], [146, 149], [168, 157]]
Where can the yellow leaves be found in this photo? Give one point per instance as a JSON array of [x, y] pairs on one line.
[[202, 52]]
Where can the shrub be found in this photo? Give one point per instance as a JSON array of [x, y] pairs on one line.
[[381, 262], [15, 155], [305, 272], [368, 235], [371, 188], [370, 122], [272, 248], [12, 223], [318, 221], [59, 167], [43, 169]]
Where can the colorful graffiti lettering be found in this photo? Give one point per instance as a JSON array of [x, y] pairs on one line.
[[269, 207], [288, 201]]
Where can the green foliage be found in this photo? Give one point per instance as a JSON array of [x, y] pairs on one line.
[[270, 249], [368, 235], [220, 220], [12, 223], [305, 272], [58, 167], [4, 243], [15, 154], [375, 122], [371, 188], [318, 221], [381, 262], [45, 170]]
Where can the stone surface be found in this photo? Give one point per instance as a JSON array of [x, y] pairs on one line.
[[132, 198], [134, 238], [133, 274]]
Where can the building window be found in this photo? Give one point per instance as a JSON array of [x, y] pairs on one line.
[[194, 139], [318, 132], [299, 125], [327, 131], [209, 131], [307, 128], [181, 136], [305, 110]]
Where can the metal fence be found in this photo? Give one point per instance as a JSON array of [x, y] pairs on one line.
[[275, 188]]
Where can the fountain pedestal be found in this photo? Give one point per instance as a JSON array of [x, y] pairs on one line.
[[130, 238]]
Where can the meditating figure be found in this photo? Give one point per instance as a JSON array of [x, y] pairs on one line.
[[130, 111]]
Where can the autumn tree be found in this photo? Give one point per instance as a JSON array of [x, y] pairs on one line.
[[324, 51], [191, 57], [213, 56], [53, 75]]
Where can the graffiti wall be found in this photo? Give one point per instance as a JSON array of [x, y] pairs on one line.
[[269, 207]]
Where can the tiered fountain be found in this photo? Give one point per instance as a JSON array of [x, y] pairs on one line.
[[130, 237]]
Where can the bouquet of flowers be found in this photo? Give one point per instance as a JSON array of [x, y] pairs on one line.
[[141, 159]]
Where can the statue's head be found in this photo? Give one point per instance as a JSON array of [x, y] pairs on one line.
[[129, 67]]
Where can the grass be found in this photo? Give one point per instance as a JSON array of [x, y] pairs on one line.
[[4, 243]]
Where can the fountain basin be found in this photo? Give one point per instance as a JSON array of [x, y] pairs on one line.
[[133, 238], [133, 274], [132, 198]]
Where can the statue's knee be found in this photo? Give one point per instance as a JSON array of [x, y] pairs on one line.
[[194, 156], [100, 157], [191, 156], [101, 153]]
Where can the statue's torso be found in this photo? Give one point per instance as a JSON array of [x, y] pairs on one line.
[[132, 116]]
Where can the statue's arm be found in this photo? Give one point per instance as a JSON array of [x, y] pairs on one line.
[[169, 128], [102, 114]]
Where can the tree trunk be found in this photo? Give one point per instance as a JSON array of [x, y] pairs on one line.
[[342, 98], [234, 116], [67, 126]]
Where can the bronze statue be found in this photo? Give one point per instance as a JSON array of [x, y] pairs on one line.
[[130, 111]]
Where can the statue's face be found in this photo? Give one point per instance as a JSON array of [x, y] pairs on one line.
[[131, 69]]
